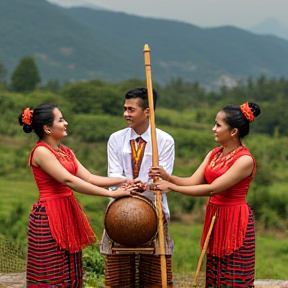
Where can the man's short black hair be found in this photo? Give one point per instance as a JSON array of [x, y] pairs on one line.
[[142, 93]]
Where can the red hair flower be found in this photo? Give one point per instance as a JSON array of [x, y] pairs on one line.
[[246, 110], [26, 116]]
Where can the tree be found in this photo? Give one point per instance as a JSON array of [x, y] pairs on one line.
[[94, 97], [53, 85], [3, 73], [26, 76]]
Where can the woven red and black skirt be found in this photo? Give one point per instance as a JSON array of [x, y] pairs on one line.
[[237, 269], [47, 264]]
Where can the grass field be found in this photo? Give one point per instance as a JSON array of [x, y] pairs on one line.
[[271, 246]]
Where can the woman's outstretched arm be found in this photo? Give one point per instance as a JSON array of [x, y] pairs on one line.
[[240, 170]]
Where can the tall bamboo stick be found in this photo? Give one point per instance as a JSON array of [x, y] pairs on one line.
[[155, 162], [203, 252]]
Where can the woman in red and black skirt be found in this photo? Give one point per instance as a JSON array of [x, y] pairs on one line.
[[58, 228], [225, 175]]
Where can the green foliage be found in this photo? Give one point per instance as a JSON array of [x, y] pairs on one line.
[[13, 223], [98, 113], [99, 130], [94, 97], [126, 85], [12, 105], [93, 265], [271, 254], [186, 237], [53, 86], [14, 161], [3, 73], [16, 201], [180, 205], [271, 251], [189, 95], [270, 205], [26, 76], [192, 144]]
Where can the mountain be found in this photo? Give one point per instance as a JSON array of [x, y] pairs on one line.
[[80, 43], [91, 6], [272, 27], [78, 3], [62, 47]]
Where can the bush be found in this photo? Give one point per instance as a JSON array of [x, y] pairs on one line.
[[93, 265]]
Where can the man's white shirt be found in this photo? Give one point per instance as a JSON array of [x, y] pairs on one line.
[[120, 159]]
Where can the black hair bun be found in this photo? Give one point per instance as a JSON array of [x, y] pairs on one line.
[[255, 108]]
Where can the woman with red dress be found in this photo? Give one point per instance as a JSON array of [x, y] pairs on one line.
[[224, 176], [58, 229]]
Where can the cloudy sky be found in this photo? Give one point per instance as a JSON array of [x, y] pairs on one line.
[[204, 13]]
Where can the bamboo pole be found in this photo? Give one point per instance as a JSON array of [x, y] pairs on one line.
[[155, 162], [204, 249]]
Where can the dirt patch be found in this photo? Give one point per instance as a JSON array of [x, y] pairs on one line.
[[271, 284], [17, 280]]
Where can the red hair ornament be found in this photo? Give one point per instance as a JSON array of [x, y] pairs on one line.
[[27, 116], [246, 110]]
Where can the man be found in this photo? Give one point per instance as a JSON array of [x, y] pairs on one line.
[[122, 147]]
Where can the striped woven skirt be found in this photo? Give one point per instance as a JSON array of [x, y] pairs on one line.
[[237, 269], [47, 264]]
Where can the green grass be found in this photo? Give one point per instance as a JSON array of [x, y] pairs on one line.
[[14, 192], [186, 237], [271, 256], [271, 247], [271, 251]]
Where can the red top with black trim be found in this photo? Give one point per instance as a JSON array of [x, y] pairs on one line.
[[231, 207], [68, 223]]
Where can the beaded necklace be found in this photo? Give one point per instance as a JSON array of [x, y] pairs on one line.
[[59, 153], [219, 160]]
